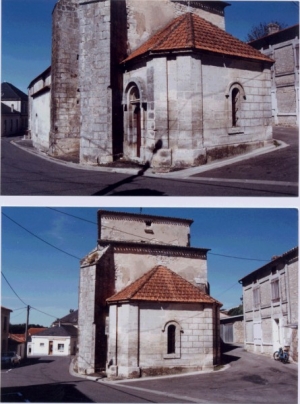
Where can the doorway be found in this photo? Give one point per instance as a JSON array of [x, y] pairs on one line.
[[50, 348], [135, 118]]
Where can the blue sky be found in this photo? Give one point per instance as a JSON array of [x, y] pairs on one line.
[[26, 32], [47, 279]]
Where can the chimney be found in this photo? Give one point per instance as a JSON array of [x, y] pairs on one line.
[[272, 28]]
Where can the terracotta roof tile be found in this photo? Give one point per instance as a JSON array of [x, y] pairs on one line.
[[191, 32], [162, 284]]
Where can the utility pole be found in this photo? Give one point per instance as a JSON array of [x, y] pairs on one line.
[[26, 332]]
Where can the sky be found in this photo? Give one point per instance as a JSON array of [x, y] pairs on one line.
[[26, 32], [42, 247]]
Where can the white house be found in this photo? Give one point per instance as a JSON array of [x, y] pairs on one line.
[[270, 298], [39, 110], [57, 341]]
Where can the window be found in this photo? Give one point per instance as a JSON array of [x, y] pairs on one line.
[[171, 339], [60, 347], [42, 344], [275, 290], [5, 324], [256, 297], [235, 101]]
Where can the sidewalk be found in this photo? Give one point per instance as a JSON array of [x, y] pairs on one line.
[[26, 144]]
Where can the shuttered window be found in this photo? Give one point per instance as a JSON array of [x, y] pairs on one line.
[[275, 290]]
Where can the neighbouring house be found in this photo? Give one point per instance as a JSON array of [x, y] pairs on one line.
[[270, 298], [283, 47], [157, 82], [14, 110], [69, 319], [232, 328], [39, 110], [16, 342], [57, 341], [144, 284], [5, 320]]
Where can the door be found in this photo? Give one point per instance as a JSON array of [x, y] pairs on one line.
[[50, 347], [137, 113]]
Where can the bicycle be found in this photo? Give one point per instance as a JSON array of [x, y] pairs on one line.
[[282, 355]]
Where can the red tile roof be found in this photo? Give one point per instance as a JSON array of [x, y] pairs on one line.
[[191, 32], [20, 338], [162, 284]]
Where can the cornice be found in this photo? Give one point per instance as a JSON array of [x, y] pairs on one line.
[[157, 249]]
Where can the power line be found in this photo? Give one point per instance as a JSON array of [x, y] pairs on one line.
[[39, 238], [13, 289], [23, 300], [238, 258], [43, 312], [146, 238]]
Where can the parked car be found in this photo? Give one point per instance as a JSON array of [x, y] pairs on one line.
[[10, 359]]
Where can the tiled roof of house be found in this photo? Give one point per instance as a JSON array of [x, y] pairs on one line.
[[290, 254], [20, 338], [6, 110], [191, 32], [36, 330], [162, 284], [71, 318], [59, 331], [10, 92]]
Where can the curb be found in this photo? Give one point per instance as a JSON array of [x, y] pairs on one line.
[[185, 173]]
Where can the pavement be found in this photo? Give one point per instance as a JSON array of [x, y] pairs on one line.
[[26, 144]]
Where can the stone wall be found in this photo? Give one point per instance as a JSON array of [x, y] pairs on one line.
[[130, 265], [65, 112], [147, 17], [188, 118], [145, 325], [95, 82], [140, 228]]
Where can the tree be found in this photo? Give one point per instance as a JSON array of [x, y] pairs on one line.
[[20, 328], [236, 311], [261, 29]]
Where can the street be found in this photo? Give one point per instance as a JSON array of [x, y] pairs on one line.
[[244, 378], [270, 174]]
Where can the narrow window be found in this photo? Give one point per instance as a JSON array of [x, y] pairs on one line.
[[171, 338], [60, 347], [235, 95], [275, 290], [5, 324], [256, 298]]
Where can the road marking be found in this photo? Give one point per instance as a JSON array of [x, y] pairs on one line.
[[258, 182], [177, 396]]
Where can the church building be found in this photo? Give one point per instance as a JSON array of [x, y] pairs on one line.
[[157, 82], [144, 286]]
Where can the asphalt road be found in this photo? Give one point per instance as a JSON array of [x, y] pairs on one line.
[[273, 174], [246, 378]]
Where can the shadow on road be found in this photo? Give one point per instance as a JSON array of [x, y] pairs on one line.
[[134, 192], [227, 353], [44, 393]]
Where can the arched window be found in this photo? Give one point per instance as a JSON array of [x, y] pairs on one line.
[[236, 97], [235, 104], [171, 339], [135, 117]]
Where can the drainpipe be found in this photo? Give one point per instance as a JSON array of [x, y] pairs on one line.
[[168, 110], [116, 350]]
